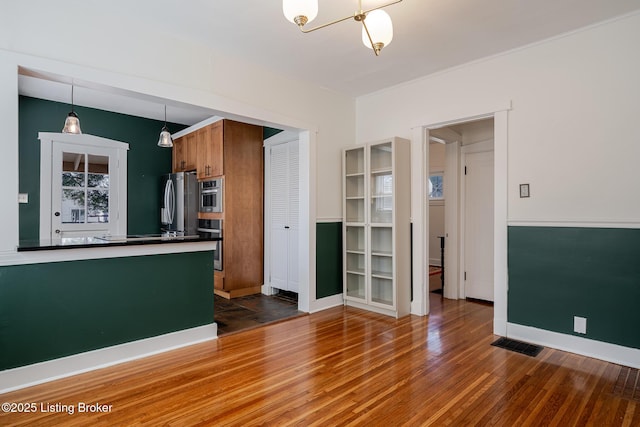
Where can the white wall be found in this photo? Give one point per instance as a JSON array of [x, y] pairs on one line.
[[92, 43], [571, 130]]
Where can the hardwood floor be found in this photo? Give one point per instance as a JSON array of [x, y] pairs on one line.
[[344, 366]]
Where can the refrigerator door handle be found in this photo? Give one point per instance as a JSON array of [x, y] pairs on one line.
[[164, 214], [171, 201], [168, 205]]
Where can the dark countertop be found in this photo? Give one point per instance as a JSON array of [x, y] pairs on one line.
[[108, 241]]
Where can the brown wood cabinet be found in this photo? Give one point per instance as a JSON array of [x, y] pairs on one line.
[[210, 156], [185, 153], [233, 151]]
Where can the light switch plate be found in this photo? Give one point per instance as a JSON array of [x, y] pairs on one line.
[[580, 324], [23, 198], [524, 190]]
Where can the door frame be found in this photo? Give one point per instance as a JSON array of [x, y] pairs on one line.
[[48, 140], [420, 213]]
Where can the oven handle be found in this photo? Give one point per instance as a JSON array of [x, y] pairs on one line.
[[210, 230]]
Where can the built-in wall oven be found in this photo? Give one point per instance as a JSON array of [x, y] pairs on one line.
[[213, 228], [211, 195]]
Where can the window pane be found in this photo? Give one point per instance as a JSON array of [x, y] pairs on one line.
[[98, 205], [98, 176], [96, 180], [72, 179], [435, 187], [72, 206]]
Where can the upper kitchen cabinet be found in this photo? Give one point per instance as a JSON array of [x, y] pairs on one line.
[[210, 143], [185, 153]]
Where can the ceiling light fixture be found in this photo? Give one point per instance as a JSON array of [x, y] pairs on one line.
[[165, 140], [377, 31], [72, 122]]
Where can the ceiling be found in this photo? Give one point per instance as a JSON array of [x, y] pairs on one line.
[[429, 36]]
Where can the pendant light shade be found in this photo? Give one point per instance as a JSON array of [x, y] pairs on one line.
[[165, 140], [72, 122], [300, 11], [380, 27], [377, 28]]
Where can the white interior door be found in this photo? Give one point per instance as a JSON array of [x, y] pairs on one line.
[[478, 226], [279, 190], [285, 196]]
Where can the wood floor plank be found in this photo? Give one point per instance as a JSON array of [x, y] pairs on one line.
[[343, 367]]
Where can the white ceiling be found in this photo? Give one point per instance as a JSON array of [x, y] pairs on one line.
[[429, 36]]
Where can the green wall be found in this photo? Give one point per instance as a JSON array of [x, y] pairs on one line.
[[328, 259], [268, 132], [54, 310], [146, 161], [557, 273]]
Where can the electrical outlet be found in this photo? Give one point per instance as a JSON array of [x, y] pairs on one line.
[[23, 198], [580, 324]]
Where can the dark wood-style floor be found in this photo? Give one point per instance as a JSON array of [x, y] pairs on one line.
[[238, 314], [345, 366]]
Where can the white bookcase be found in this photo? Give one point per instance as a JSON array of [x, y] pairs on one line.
[[376, 226]]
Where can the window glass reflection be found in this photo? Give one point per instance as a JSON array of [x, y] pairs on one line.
[[85, 188]]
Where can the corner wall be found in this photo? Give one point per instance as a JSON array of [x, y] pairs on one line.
[[571, 135]]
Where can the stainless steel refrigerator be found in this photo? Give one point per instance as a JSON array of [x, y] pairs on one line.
[[179, 209]]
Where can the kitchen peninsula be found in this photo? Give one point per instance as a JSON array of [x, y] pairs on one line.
[[85, 303], [106, 241]]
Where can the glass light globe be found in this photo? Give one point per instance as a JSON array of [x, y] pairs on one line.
[[294, 8], [380, 28], [72, 124], [165, 139]]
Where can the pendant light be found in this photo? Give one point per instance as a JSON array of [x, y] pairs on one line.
[[165, 140], [72, 122], [377, 31], [377, 28]]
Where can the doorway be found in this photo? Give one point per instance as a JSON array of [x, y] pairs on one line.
[[463, 154]]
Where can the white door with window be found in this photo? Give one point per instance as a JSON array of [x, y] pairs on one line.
[[284, 215], [83, 186], [478, 226]]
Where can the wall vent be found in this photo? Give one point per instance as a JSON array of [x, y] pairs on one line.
[[518, 346]]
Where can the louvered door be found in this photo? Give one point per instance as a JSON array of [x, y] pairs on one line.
[[284, 189]]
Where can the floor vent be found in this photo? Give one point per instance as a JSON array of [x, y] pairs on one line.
[[518, 346], [628, 384]]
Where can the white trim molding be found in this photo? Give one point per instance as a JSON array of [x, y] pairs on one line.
[[70, 254], [327, 302], [328, 220], [584, 223], [613, 353], [38, 373]]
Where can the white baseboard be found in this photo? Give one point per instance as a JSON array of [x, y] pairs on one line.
[[435, 261], [268, 290], [327, 302], [613, 353], [38, 373]]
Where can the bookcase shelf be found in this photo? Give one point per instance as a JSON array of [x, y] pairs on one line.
[[376, 218]]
